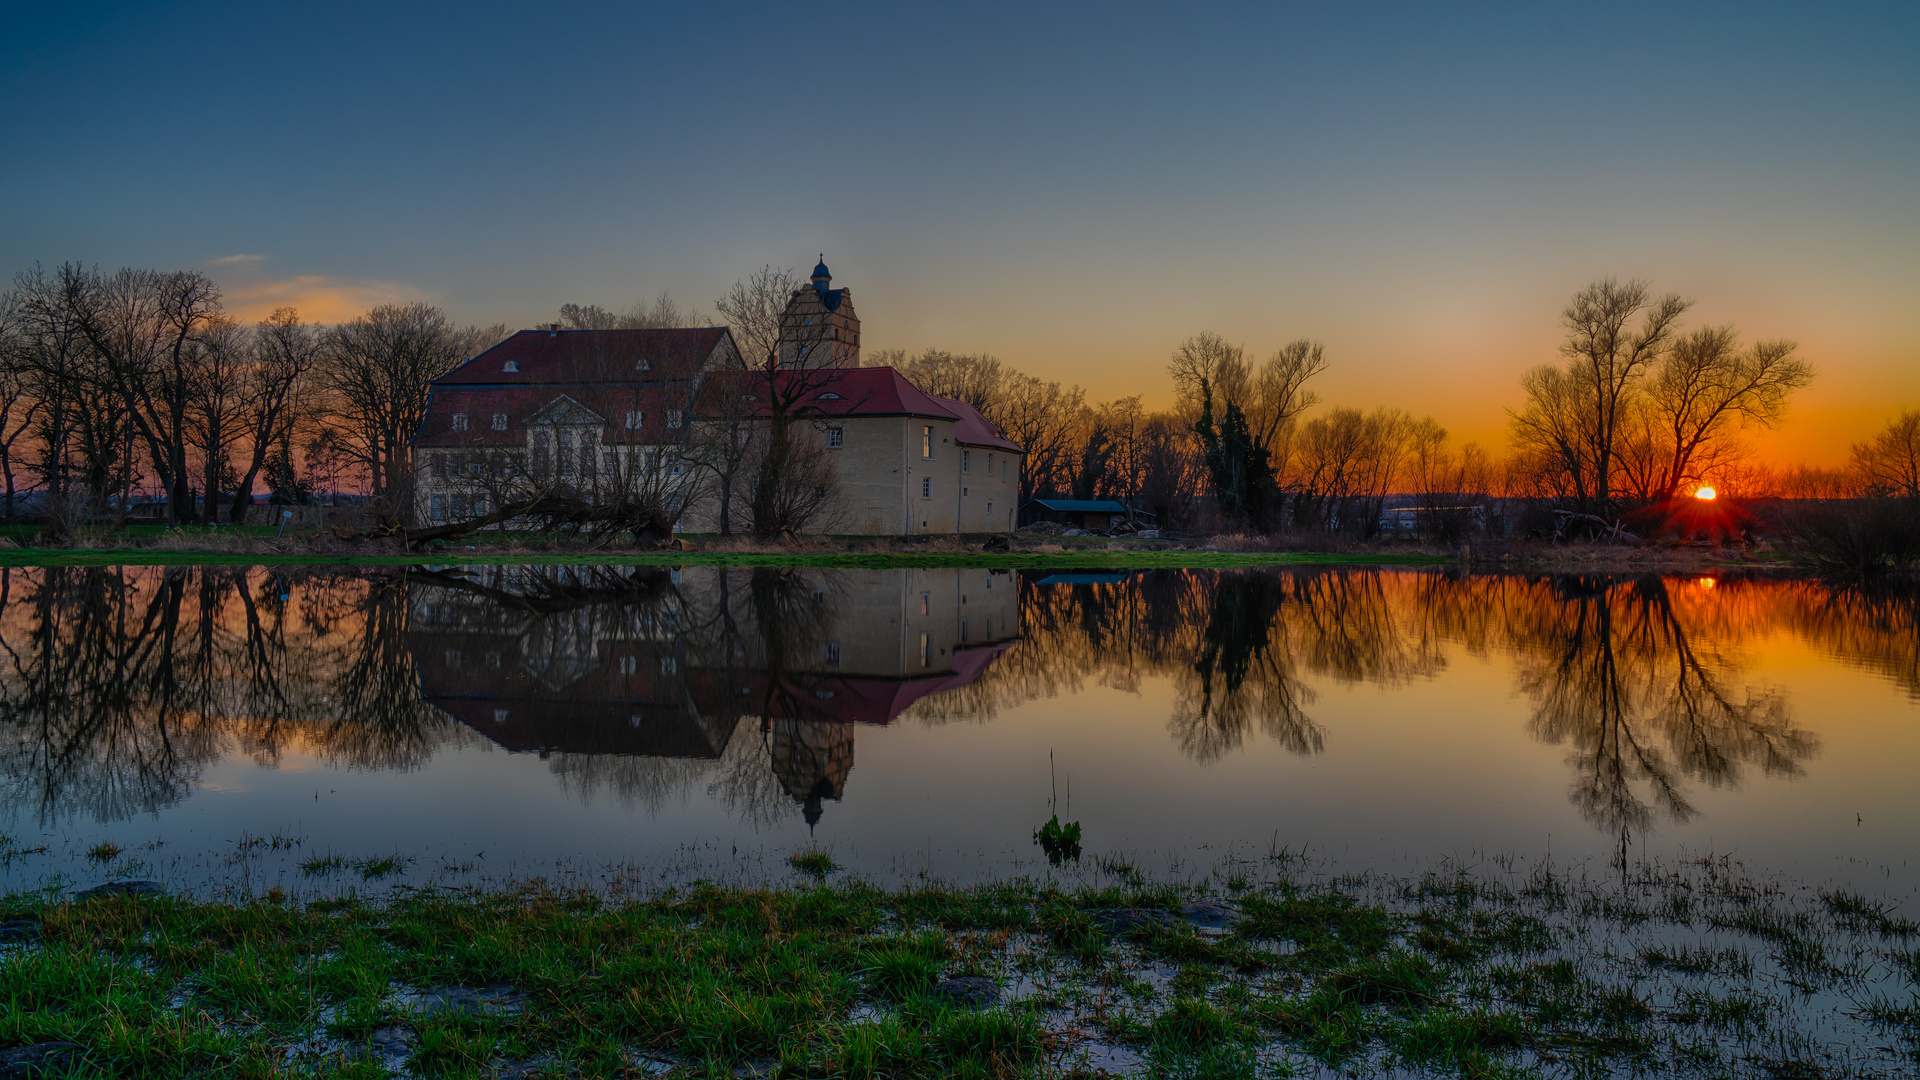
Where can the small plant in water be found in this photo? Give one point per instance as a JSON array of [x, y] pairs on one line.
[[384, 866], [103, 851], [816, 863], [1060, 842], [321, 865]]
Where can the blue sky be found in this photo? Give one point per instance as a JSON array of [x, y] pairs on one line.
[[1073, 188]]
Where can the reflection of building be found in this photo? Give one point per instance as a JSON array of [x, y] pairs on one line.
[[647, 665]]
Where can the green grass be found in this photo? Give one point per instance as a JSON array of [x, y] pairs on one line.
[[840, 980]]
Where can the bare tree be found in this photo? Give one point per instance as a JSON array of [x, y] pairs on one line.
[[376, 372], [976, 380], [219, 358], [1576, 418], [1889, 463], [1045, 419], [753, 310], [283, 351], [1704, 389], [19, 405], [145, 325]]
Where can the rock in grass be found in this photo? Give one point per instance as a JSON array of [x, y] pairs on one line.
[[123, 888], [17, 930], [975, 990], [1210, 916], [389, 1047], [1132, 920], [40, 1059], [497, 1000]]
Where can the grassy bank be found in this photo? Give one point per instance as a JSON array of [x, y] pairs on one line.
[[1254, 972]]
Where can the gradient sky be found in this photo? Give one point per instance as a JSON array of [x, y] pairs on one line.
[[1073, 189]]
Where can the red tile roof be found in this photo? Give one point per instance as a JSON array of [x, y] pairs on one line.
[[974, 429], [589, 356]]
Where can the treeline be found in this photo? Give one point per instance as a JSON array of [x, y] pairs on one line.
[[116, 385], [1640, 413]]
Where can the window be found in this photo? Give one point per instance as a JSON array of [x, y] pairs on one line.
[[829, 396], [439, 464], [678, 466], [808, 321], [453, 657], [476, 467], [835, 438], [926, 650], [636, 720], [926, 441], [926, 602], [499, 716], [439, 508], [643, 364], [669, 665], [459, 421], [566, 453], [586, 456], [459, 507], [499, 421], [926, 487], [833, 652], [963, 629], [479, 506], [743, 436], [609, 462], [989, 507], [629, 665], [674, 417], [634, 419], [989, 464], [510, 366], [966, 461]]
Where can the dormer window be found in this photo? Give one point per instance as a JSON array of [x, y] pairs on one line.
[[829, 396], [674, 417], [643, 364], [510, 366], [499, 421], [634, 419], [459, 421]]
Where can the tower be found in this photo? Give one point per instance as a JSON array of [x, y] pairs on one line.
[[819, 328]]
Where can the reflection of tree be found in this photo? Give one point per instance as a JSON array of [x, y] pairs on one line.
[[1615, 673], [1245, 675], [121, 685]]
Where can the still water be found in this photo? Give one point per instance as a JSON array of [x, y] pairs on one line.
[[222, 726]]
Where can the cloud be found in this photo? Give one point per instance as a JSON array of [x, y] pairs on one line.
[[235, 260], [318, 298]]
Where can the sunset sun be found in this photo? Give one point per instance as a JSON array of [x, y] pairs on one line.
[[1704, 493]]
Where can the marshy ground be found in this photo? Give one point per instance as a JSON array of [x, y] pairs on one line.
[[1263, 968]]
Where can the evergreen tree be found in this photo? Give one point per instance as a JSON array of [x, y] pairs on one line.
[[1243, 478]]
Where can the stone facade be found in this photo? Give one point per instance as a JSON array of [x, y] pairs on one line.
[[605, 413]]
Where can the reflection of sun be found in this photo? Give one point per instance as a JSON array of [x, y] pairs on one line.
[[1705, 582], [1704, 493]]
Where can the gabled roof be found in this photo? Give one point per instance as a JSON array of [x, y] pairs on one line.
[[865, 391], [585, 356], [972, 429]]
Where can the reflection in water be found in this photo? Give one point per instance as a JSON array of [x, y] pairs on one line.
[[121, 686]]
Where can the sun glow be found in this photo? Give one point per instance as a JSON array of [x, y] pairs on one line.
[[1704, 493]]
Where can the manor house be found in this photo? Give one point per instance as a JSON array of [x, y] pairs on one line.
[[577, 407]]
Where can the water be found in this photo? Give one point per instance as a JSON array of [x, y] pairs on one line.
[[221, 726]]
